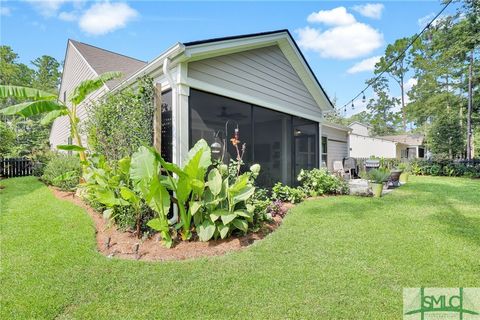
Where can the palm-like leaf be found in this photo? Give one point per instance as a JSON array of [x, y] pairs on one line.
[[24, 93], [28, 109], [52, 115], [88, 86]]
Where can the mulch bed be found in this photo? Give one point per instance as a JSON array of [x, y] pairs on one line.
[[125, 245]]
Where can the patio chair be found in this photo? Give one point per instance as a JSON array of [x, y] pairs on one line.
[[339, 170]]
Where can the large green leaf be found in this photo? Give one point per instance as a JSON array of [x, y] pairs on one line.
[[89, 86], [143, 166], [183, 189], [223, 230], [206, 230], [52, 115], [158, 198], [124, 165], [31, 108], [218, 213], [227, 218], [70, 147], [195, 206], [198, 160], [240, 224], [25, 93], [243, 195], [158, 225], [215, 181]]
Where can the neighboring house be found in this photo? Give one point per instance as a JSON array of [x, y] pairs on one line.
[[260, 82], [363, 145]]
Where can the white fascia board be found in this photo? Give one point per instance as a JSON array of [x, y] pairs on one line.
[[336, 126], [213, 49], [205, 86], [290, 51], [173, 53]]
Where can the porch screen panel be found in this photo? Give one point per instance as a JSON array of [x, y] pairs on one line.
[[209, 114], [166, 142], [272, 146]]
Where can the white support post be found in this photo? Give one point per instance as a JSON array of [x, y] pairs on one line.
[[320, 151], [182, 112]]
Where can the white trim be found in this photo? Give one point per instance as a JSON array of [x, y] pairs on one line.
[[205, 86]]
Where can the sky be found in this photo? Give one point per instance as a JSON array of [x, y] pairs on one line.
[[341, 40]]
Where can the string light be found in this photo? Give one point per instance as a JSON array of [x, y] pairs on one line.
[[399, 56], [363, 98], [353, 106]]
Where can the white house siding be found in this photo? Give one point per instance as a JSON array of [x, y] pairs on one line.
[[77, 70], [262, 74], [359, 129], [337, 144], [365, 147]]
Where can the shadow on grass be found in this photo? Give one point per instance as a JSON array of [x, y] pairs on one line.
[[459, 225], [11, 193]]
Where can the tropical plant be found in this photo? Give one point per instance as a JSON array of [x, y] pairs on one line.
[[379, 176], [43, 102]]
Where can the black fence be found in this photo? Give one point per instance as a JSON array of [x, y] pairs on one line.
[[15, 167]]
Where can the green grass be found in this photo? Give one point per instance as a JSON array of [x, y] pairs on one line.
[[337, 257]]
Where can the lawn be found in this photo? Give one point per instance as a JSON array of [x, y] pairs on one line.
[[336, 257]]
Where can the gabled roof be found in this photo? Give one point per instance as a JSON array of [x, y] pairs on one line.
[[102, 61], [360, 123], [409, 139], [286, 42]]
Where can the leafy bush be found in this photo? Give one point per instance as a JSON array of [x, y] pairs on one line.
[[261, 202], [119, 124], [444, 167], [62, 171], [287, 194], [317, 182]]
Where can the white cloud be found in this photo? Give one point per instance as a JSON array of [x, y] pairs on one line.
[[370, 10], [364, 65], [335, 17], [341, 42], [5, 11], [423, 21], [68, 16], [102, 18], [47, 8], [410, 83]]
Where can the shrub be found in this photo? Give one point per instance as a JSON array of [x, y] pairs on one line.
[[277, 208], [261, 202], [318, 182], [62, 171], [287, 194]]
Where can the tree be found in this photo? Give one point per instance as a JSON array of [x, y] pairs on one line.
[[445, 136], [383, 119], [11, 72], [8, 139], [397, 70], [47, 74], [43, 102]]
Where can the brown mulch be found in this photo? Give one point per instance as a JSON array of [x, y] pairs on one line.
[[125, 245]]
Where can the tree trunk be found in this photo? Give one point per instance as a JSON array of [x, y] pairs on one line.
[[404, 115], [469, 108]]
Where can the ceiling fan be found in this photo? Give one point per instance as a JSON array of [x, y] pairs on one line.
[[234, 115]]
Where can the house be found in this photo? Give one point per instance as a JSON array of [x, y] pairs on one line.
[[259, 83], [364, 145]]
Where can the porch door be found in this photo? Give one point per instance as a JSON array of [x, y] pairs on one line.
[[306, 147]]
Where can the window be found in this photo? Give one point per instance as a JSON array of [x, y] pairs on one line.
[[421, 152], [282, 144], [324, 152], [64, 96], [69, 142]]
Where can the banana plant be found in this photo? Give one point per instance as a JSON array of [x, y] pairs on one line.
[[42, 102]]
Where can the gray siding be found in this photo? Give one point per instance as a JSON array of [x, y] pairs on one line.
[[76, 70], [264, 74], [337, 145]]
